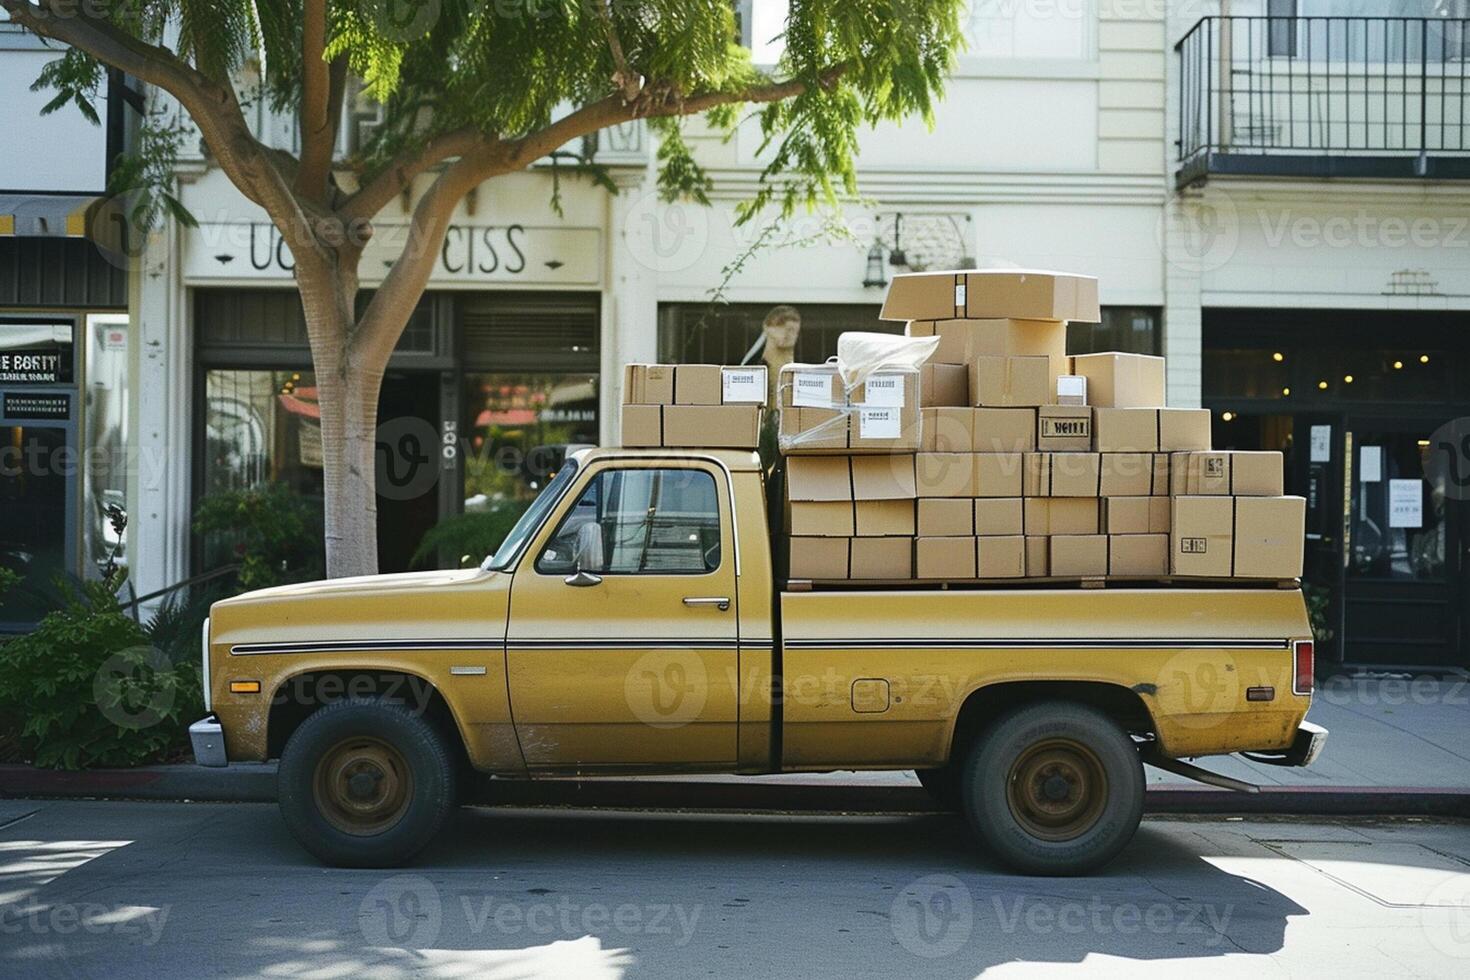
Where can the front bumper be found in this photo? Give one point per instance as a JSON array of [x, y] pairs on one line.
[[1304, 748], [208, 739]]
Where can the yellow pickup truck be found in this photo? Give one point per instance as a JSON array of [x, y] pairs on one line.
[[634, 622]]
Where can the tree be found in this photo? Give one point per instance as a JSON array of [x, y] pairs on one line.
[[472, 89]]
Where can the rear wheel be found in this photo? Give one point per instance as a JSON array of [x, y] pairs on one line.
[[365, 783], [1054, 789]]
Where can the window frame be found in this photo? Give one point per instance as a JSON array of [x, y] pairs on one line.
[[569, 503]]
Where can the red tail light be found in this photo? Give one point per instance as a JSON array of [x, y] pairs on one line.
[[1301, 679]]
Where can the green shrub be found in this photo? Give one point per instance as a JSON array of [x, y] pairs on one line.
[[270, 529], [88, 688], [469, 537]]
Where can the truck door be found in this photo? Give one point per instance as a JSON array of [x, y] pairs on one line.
[[622, 649]]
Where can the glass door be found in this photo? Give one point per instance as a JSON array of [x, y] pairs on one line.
[[1404, 549], [37, 500]]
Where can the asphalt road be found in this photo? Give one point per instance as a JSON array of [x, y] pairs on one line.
[[97, 889]]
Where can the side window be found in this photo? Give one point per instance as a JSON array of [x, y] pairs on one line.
[[639, 522]]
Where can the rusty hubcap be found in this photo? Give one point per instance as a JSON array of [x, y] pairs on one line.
[[362, 786], [1056, 790]]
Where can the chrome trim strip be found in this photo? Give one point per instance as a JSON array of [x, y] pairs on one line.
[[360, 646], [1003, 643], [467, 671]]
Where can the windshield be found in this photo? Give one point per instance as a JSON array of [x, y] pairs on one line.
[[516, 540]]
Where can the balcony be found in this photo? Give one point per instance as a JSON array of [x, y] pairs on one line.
[[1368, 97]]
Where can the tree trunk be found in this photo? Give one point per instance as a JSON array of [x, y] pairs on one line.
[[349, 381]]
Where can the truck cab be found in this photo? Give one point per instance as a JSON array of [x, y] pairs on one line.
[[635, 622]]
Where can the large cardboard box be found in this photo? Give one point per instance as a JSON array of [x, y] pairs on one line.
[[1038, 556], [1025, 294], [712, 426], [946, 517], [944, 384], [1116, 380], [818, 478], [818, 558], [819, 518], [1138, 554], [999, 515], [961, 341], [945, 474], [1126, 474], [1012, 382], [1269, 535], [1184, 429], [947, 430], [1003, 430], [642, 426], [1161, 475], [1063, 428], [1079, 555], [1201, 538], [1000, 556], [952, 559], [999, 474], [1062, 515], [813, 430], [1125, 430], [884, 518], [648, 384], [883, 477], [697, 384], [1062, 474], [1253, 474], [881, 558], [1136, 515]]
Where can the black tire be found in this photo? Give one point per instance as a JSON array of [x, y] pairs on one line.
[[1054, 788], [942, 785], [405, 750]]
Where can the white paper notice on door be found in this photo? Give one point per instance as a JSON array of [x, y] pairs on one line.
[[743, 386], [1405, 503], [1370, 464], [810, 389], [880, 423], [1321, 443]]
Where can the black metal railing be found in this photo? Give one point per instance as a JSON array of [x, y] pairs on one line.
[[1326, 96]]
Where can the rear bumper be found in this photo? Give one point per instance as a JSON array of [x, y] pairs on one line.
[[1304, 749], [208, 740]]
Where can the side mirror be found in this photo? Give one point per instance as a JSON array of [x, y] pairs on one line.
[[583, 580]]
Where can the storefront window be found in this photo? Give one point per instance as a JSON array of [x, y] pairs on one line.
[[106, 426], [518, 428]]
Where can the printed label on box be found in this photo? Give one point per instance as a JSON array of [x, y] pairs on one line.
[[811, 390], [1058, 428], [1215, 466], [1192, 546], [959, 296], [884, 391], [879, 423], [743, 386]]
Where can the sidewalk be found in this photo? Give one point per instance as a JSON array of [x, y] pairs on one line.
[[1397, 745]]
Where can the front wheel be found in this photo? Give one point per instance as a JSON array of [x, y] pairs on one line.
[[1054, 788], [365, 783]]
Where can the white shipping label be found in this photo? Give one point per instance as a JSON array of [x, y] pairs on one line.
[[883, 391], [880, 423], [1405, 503], [743, 385], [811, 390], [1072, 386], [1321, 443], [959, 296], [1370, 464]]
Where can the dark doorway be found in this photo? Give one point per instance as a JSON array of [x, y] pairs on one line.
[[408, 465], [36, 494]]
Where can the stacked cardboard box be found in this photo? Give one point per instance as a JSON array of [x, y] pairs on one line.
[[1012, 459], [693, 405]]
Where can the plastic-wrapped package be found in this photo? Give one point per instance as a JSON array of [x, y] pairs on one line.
[[864, 400]]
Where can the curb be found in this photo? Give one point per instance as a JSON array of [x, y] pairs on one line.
[[256, 783]]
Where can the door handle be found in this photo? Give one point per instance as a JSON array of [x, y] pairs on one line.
[[583, 579], [720, 602]]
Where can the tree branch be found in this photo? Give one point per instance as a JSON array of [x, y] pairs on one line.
[[318, 134], [626, 80], [398, 175]]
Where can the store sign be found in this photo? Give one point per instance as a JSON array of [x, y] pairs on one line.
[[35, 353], [26, 406], [471, 254]]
